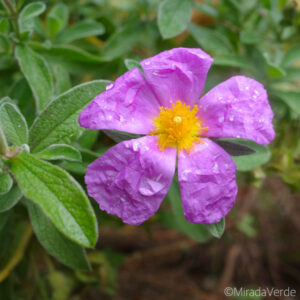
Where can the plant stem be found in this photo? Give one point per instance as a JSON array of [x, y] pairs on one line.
[[3, 143], [14, 15]]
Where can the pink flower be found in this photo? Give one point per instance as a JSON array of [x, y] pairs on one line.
[[131, 179]]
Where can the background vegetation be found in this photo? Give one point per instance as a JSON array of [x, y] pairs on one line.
[[55, 57]]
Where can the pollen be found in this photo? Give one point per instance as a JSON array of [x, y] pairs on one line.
[[178, 127]]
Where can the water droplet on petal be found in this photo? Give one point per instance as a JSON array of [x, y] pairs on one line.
[[238, 136], [129, 101], [231, 118], [150, 187], [122, 199], [215, 167], [109, 117], [184, 175], [147, 63], [135, 146], [122, 119], [110, 86], [247, 88], [256, 92], [155, 73]]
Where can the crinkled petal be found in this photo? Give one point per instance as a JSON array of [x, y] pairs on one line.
[[131, 179], [207, 183], [237, 108], [128, 105], [177, 74]]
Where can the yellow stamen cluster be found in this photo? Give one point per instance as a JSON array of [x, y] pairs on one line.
[[178, 127]]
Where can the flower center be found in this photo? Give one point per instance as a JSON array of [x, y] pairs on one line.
[[178, 127]]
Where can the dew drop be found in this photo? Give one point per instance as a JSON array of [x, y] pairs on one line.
[[135, 146], [221, 119], [231, 118], [147, 63], [256, 92], [150, 187], [155, 73], [109, 117], [128, 101], [122, 199], [247, 88], [238, 136], [184, 175], [215, 167], [110, 86], [122, 119]]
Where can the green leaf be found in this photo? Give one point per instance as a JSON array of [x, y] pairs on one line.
[[120, 136], [252, 161], [121, 42], [4, 44], [207, 9], [37, 73], [217, 229], [13, 124], [248, 37], [233, 61], [63, 249], [4, 25], [210, 40], [6, 100], [6, 183], [60, 197], [10, 199], [3, 144], [55, 152], [173, 17], [274, 72], [234, 149], [292, 56], [29, 12], [176, 219], [58, 124], [61, 78], [291, 98], [80, 30], [66, 53], [131, 64], [57, 19]]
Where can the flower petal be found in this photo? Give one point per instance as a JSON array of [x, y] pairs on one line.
[[128, 105], [131, 179], [207, 183], [177, 74], [237, 108]]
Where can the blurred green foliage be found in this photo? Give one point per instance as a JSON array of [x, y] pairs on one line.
[[55, 56]]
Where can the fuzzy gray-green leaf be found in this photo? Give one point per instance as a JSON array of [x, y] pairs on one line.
[[60, 197]]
